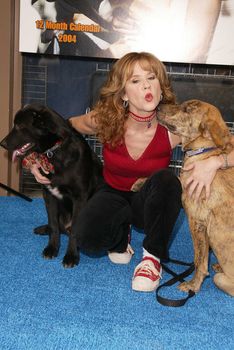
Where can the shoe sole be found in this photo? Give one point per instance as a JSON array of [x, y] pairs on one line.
[[117, 259]]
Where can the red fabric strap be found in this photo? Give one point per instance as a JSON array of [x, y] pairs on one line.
[[154, 261], [34, 158]]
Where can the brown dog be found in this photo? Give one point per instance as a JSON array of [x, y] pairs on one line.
[[203, 130]]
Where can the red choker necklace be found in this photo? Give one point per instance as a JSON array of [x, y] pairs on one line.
[[140, 119]]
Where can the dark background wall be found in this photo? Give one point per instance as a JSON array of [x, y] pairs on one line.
[[70, 84]]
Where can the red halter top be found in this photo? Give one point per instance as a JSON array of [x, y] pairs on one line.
[[121, 170]]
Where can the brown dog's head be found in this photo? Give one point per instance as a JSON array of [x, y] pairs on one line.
[[196, 120]]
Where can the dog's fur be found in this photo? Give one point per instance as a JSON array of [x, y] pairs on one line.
[[211, 220], [77, 172]]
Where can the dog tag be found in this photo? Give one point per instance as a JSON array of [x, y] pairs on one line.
[[49, 154]]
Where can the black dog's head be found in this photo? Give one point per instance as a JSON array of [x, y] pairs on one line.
[[36, 129]]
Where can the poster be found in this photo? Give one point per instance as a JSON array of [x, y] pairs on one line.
[[186, 31]]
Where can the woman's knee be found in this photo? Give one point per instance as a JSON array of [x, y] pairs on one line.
[[99, 224], [164, 181]]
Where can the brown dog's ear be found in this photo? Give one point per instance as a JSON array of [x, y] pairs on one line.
[[168, 109], [191, 106], [216, 128]]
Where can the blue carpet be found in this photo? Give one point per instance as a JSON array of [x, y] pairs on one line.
[[44, 306]]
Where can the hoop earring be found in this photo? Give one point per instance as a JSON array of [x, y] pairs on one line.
[[161, 97], [125, 104]]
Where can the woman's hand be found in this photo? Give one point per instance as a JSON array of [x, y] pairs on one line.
[[138, 184], [37, 174], [202, 175]]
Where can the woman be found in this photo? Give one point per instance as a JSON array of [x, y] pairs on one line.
[[135, 148]]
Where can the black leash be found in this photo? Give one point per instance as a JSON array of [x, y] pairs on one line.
[[19, 194], [176, 278]]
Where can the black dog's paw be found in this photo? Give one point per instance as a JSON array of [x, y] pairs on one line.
[[70, 260], [42, 230], [50, 252]]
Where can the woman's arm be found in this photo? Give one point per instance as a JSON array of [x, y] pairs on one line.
[[204, 171], [84, 123]]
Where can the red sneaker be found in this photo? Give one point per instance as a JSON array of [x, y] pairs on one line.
[[147, 275]]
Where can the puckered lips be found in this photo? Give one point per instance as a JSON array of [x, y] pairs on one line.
[[148, 97], [21, 151]]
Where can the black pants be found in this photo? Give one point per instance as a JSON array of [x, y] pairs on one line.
[[104, 222]]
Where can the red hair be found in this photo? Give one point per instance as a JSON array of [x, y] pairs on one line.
[[110, 114]]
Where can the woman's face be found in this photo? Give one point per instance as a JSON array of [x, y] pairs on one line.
[[142, 91]]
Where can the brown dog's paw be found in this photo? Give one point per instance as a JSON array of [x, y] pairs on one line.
[[225, 283], [217, 268], [187, 286]]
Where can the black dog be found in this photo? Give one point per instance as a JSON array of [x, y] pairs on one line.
[[75, 173]]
